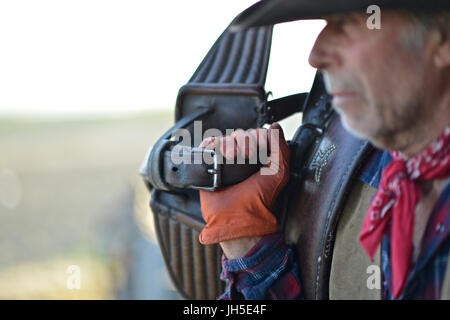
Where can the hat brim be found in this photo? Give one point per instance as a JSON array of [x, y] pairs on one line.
[[270, 12]]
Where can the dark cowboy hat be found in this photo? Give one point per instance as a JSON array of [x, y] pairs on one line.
[[268, 12]]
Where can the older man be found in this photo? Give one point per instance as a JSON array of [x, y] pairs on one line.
[[390, 86]]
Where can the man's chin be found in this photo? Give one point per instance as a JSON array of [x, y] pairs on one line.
[[379, 141], [354, 127]]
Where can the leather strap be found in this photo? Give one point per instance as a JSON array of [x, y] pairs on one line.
[[198, 174], [279, 109], [164, 172], [152, 167]]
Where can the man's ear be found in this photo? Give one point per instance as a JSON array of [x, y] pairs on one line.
[[442, 54]]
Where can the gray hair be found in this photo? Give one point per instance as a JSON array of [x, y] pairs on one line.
[[422, 23]]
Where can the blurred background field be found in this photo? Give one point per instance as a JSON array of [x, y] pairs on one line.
[[70, 194]]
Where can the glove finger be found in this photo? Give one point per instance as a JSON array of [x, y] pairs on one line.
[[246, 143], [228, 148], [208, 143], [262, 142], [279, 151]]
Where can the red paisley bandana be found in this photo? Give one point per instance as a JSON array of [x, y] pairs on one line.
[[396, 200]]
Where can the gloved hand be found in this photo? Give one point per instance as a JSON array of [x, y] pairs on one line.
[[244, 209]]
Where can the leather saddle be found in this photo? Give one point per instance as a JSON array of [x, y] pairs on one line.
[[227, 92]]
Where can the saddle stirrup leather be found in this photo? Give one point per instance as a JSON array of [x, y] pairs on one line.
[[225, 92]]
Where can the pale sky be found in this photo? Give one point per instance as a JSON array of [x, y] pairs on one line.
[[61, 57]]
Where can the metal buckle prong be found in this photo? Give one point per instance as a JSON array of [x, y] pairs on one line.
[[214, 171]]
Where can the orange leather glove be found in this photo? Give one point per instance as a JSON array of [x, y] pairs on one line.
[[244, 209]]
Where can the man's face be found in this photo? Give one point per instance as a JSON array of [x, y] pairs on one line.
[[378, 80]]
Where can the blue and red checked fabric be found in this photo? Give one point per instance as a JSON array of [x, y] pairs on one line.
[[267, 271], [270, 271], [426, 276]]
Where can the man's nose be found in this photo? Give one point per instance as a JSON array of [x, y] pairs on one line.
[[324, 55]]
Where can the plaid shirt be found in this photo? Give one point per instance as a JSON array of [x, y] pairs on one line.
[[270, 270]]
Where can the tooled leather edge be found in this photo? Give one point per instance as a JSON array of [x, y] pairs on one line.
[[327, 240]]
